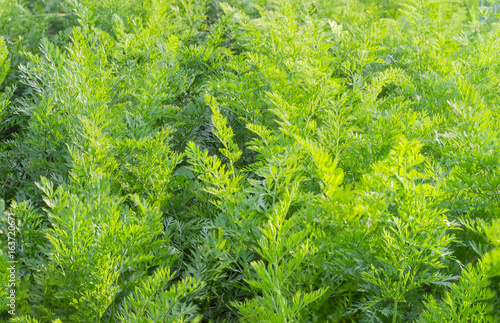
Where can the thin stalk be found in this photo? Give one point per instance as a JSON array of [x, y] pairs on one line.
[[395, 314]]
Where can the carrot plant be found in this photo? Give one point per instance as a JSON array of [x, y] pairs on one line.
[[249, 161]]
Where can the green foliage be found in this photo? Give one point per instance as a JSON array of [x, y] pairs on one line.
[[464, 300], [492, 261], [4, 60], [152, 303], [415, 235], [253, 161], [282, 252], [4, 69]]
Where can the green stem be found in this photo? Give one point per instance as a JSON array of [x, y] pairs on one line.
[[113, 309], [395, 314]]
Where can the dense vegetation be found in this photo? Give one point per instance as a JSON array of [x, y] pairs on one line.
[[253, 161]]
